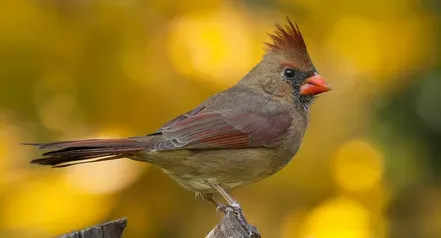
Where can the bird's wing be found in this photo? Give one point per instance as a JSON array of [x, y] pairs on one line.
[[222, 129]]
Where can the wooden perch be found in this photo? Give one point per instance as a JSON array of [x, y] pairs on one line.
[[112, 229], [228, 227]]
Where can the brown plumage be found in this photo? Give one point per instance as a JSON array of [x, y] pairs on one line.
[[235, 137], [64, 153]]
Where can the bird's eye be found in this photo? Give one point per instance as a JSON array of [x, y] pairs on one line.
[[289, 73]]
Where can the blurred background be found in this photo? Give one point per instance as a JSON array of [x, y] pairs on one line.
[[370, 163]]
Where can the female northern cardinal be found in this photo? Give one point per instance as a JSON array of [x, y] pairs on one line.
[[239, 136]]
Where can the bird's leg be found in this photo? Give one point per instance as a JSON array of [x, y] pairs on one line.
[[225, 195], [235, 206], [220, 206]]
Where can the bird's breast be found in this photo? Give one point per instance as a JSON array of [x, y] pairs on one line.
[[197, 169]]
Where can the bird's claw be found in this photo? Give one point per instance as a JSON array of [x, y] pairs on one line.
[[224, 208], [237, 210]]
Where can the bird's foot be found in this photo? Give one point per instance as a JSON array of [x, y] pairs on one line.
[[236, 210], [219, 206], [250, 229], [224, 208]]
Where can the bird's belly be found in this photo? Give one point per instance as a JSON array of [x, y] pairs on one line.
[[202, 184], [197, 169]]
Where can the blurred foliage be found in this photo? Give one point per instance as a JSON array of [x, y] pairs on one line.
[[73, 69]]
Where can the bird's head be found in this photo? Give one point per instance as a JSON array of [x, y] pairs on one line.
[[287, 68]]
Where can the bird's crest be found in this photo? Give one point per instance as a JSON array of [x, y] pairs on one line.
[[288, 40]]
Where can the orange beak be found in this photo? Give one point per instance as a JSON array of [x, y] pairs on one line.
[[314, 85]]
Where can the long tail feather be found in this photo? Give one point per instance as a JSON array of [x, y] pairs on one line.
[[67, 153]]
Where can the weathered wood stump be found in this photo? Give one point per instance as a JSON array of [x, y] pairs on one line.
[[112, 229], [228, 227]]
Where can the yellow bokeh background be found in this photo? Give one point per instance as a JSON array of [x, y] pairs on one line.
[[82, 69]]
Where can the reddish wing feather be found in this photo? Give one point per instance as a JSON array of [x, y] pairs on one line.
[[224, 130]]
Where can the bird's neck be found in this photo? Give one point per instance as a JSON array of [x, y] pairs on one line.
[[303, 102]]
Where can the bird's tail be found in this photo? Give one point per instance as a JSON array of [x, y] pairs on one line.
[[66, 153]]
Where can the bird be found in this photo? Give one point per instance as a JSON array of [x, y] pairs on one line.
[[239, 136]]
